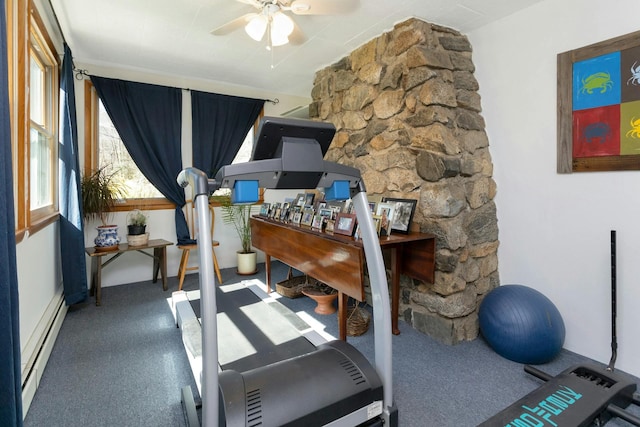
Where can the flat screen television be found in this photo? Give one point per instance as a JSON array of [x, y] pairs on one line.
[[272, 129]]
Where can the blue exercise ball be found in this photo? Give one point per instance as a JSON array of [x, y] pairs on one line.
[[521, 324]]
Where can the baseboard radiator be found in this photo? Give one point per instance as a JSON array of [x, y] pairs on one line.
[[37, 350]]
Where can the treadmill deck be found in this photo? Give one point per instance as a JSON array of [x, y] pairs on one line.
[[254, 329]]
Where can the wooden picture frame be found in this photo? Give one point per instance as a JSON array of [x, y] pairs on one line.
[[386, 211], [402, 214], [599, 106], [345, 224]]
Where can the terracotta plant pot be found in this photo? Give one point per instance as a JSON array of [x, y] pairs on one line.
[[324, 301]]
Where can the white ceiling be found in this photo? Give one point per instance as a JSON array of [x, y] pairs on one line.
[[172, 37]]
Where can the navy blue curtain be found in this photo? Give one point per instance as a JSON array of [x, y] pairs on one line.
[[219, 125], [74, 269], [10, 380], [148, 119]]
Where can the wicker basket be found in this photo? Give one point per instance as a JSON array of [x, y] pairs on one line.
[[292, 288], [357, 321], [137, 239]]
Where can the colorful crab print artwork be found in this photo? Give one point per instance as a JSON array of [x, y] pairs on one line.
[[596, 81], [635, 75], [597, 132], [635, 128]]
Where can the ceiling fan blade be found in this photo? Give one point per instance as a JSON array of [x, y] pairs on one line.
[[297, 37], [254, 3], [233, 25], [323, 7]]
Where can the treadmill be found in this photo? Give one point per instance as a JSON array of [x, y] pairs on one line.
[[307, 384]]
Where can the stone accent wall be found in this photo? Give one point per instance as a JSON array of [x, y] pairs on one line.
[[407, 114]]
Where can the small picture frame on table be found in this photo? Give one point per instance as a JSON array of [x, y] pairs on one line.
[[274, 207], [297, 216], [386, 211], [309, 199], [307, 217], [284, 211], [376, 223], [327, 213], [264, 209], [317, 222], [402, 214], [345, 224], [329, 227]]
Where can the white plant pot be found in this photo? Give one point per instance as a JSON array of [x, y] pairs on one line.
[[247, 263]]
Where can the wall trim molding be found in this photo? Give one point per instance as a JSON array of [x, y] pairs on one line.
[[37, 350]]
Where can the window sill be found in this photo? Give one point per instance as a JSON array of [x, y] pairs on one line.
[[158, 203]]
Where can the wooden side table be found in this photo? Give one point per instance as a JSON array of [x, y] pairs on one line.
[[159, 256], [338, 260]]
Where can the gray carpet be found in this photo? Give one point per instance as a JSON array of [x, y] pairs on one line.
[[123, 364]]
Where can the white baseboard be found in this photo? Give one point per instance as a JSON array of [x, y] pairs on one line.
[[38, 349]]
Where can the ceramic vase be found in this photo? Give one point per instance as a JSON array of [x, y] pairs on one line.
[[107, 236]]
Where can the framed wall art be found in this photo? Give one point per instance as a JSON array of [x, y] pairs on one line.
[[599, 106]]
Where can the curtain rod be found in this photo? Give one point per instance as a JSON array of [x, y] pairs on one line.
[[80, 74]]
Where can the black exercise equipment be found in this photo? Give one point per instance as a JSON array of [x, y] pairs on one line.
[[583, 395], [334, 384]]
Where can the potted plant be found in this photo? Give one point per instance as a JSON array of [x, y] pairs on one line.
[[239, 216], [136, 222], [99, 196], [137, 227]]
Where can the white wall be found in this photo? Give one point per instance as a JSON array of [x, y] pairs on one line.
[[39, 279], [554, 229]]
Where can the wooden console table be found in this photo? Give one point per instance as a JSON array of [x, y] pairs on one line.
[[159, 256], [338, 260]]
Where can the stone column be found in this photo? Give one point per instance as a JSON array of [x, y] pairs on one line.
[[407, 112]]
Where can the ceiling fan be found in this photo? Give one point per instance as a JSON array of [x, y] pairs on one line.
[[273, 20]]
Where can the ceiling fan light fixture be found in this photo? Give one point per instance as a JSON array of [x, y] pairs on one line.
[[278, 39], [256, 27], [281, 24]]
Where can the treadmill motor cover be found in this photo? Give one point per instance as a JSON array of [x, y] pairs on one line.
[[309, 390]]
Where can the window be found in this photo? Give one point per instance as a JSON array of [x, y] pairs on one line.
[[33, 82], [244, 155], [42, 148], [107, 150], [43, 137], [115, 159], [104, 148]]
